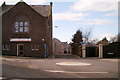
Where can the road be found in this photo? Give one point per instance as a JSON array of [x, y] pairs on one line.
[[66, 56], [17, 67]]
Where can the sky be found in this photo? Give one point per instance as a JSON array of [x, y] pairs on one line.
[[98, 16]]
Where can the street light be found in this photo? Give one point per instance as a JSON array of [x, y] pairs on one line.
[[45, 48], [43, 40]]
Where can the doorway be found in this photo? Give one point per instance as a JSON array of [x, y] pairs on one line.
[[20, 49]]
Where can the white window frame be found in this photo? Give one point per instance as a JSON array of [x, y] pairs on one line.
[[3, 47], [7, 47], [33, 47], [37, 47]]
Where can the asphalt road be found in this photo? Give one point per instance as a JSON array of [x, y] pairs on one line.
[[66, 56], [17, 67]]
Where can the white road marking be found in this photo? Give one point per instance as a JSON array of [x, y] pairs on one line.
[[112, 60], [73, 64], [2, 78], [58, 71], [18, 79]]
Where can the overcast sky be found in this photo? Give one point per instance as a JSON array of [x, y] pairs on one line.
[[101, 16]]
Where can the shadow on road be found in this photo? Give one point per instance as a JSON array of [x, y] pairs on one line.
[[10, 72]]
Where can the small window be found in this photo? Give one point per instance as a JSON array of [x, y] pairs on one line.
[[16, 27], [16, 30], [5, 47], [21, 29], [16, 24], [21, 23], [25, 29], [26, 24], [33, 47], [37, 47]]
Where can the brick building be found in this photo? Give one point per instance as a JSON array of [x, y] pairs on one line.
[[27, 29]]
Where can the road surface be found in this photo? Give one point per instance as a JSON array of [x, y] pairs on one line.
[[17, 67]]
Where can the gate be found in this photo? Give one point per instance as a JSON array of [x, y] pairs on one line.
[[112, 50], [91, 51]]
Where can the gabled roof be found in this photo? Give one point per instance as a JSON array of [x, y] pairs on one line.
[[88, 44], [55, 39], [44, 10]]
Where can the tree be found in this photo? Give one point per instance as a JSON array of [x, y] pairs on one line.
[[87, 35], [104, 41], [118, 38], [113, 39], [94, 41], [76, 40]]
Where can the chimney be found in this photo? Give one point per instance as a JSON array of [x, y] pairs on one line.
[[51, 4], [3, 4]]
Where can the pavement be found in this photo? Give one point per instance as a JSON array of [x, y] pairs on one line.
[[27, 67]]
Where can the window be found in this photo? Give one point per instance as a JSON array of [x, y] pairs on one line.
[[5, 47], [35, 47], [16, 23], [25, 29], [26, 24], [21, 25], [21, 29], [16, 26]]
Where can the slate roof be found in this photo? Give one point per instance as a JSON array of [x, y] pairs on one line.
[[44, 10]]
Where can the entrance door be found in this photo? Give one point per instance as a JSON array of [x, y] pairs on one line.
[[20, 49]]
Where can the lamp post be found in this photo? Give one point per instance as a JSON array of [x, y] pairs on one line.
[[45, 48]]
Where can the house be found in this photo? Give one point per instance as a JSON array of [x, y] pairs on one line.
[[57, 46], [61, 47], [27, 29], [66, 48]]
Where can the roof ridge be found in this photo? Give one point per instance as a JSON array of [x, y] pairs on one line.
[[41, 9]]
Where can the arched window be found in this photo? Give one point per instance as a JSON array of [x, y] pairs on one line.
[[16, 23], [16, 27], [26, 24], [21, 24]]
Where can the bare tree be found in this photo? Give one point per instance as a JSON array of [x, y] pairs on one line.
[[87, 35], [115, 38], [118, 38], [95, 41]]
